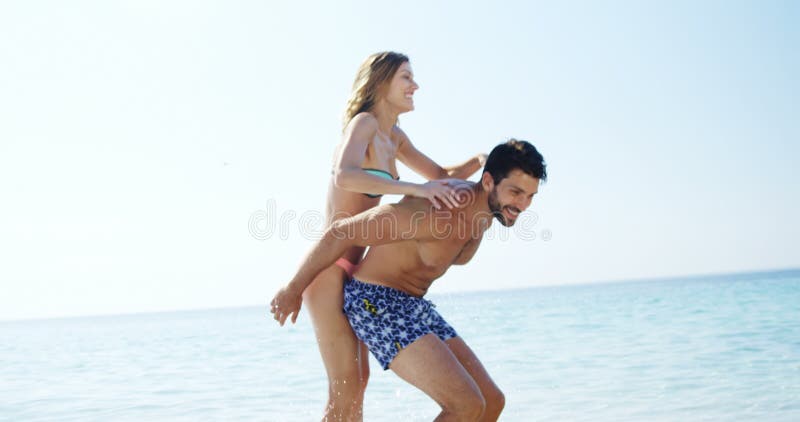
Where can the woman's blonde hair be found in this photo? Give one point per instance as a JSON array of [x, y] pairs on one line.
[[372, 77]]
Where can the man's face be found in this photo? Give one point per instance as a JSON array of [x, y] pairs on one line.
[[511, 196]]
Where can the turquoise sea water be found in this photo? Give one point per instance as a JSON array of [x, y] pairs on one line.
[[720, 348]]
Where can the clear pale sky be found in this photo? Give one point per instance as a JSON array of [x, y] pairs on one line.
[[138, 138]]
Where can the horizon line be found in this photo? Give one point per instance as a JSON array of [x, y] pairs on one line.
[[685, 277]]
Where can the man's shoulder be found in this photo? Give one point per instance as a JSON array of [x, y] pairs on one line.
[[414, 202], [422, 206]]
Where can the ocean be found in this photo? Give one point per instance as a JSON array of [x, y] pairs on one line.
[[716, 348]]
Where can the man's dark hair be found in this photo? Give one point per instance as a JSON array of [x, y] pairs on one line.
[[515, 154]]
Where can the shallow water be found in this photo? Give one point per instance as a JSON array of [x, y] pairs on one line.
[[718, 348]]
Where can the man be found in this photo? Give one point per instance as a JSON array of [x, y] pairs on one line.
[[411, 245]]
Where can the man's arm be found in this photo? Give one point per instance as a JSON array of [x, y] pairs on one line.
[[377, 226], [408, 220]]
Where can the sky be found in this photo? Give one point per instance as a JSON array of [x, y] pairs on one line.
[[176, 155]]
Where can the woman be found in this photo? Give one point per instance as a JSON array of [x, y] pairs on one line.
[[364, 169]]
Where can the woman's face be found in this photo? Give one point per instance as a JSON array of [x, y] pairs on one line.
[[400, 93]]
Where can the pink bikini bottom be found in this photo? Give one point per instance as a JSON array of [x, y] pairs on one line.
[[347, 266]]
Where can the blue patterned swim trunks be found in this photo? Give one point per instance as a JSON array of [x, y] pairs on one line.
[[387, 320]]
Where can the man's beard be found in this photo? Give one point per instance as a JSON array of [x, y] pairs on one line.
[[497, 208]]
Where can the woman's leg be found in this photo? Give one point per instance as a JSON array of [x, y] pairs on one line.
[[363, 358], [338, 346]]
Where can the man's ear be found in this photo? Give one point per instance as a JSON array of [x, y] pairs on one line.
[[487, 181]]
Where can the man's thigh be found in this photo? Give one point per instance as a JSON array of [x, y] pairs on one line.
[[430, 365], [467, 358]]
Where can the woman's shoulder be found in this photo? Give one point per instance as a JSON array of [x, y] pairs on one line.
[[364, 119], [362, 126]]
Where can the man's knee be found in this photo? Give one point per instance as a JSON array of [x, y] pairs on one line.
[[467, 406], [495, 402]]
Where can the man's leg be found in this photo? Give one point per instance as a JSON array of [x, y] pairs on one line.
[[495, 400], [430, 365]]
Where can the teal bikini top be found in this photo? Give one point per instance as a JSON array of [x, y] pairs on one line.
[[380, 173]]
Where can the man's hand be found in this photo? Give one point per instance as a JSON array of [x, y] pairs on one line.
[[286, 302]]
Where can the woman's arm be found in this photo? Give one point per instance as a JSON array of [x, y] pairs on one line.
[[467, 168], [349, 175], [409, 155]]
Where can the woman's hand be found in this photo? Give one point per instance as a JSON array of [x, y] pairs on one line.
[[452, 192], [286, 302], [463, 191], [482, 160], [438, 192]]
